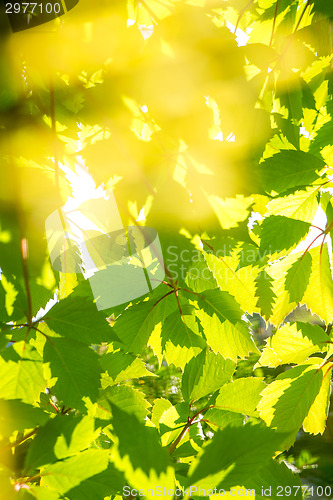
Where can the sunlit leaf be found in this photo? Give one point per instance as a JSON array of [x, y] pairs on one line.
[[21, 373], [226, 333], [289, 169], [141, 470], [65, 475], [220, 464], [293, 343], [287, 400], [204, 374], [76, 368]]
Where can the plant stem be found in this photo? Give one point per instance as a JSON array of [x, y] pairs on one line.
[[20, 440], [188, 424], [24, 254]]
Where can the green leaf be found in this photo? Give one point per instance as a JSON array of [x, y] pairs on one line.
[[168, 117], [217, 418], [293, 343], [169, 419], [220, 318], [16, 415], [287, 400], [301, 205], [61, 437], [315, 421], [289, 169], [230, 458], [77, 370], [265, 294], [204, 374], [77, 318], [222, 304], [280, 271], [322, 140], [279, 233], [240, 396], [21, 369], [290, 97], [319, 294], [139, 454], [130, 399], [180, 339], [200, 278], [161, 405], [230, 211], [123, 366], [66, 474], [272, 480], [136, 324], [40, 493], [297, 277], [108, 482], [238, 281]]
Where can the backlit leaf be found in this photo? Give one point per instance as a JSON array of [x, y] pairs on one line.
[[204, 374], [75, 365], [21, 369]]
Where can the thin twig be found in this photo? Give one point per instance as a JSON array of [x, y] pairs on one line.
[[240, 15], [188, 424], [274, 21], [54, 132], [20, 440]]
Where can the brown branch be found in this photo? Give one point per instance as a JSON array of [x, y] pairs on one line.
[[24, 255], [274, 22], [240, 15], [20, 440], [54, 132], [188, 424]]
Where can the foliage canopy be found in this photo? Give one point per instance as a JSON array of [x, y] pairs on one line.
[[211, 122]]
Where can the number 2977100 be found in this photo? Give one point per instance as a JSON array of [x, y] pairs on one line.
[[33, 8]]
